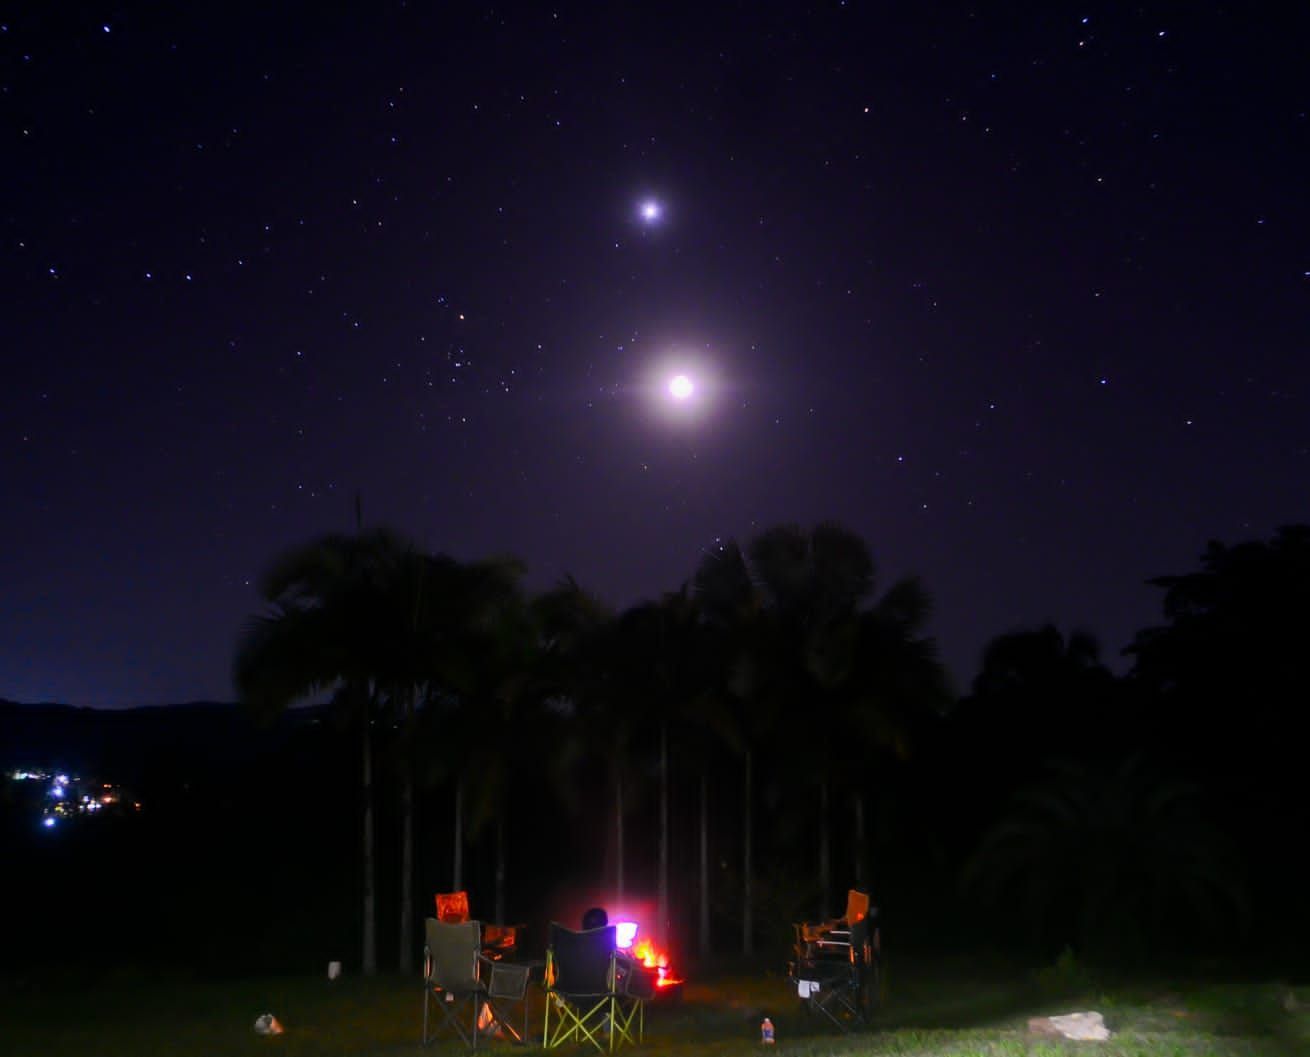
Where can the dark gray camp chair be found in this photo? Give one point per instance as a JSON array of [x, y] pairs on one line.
[[463, 982]]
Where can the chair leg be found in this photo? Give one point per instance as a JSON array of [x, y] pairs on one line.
[[577, 1023]]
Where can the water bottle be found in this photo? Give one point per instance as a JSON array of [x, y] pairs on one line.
[[766, 1031]]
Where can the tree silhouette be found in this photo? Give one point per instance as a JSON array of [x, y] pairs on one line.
[[857, 673], [806, 656], [660, 668], [731, 607], [1226, 678], [325, 632], [1038, 697], [1113, 861], [494, 685]]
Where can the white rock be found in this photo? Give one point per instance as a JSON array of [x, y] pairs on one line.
[[1087, 1026]]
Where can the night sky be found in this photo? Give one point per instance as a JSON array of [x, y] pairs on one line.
[[1021, 294]]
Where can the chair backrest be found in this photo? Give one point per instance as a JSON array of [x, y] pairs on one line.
[[859, 939], [453, 949], [452, 907], [857, 906], [582, 960], [499, 938]]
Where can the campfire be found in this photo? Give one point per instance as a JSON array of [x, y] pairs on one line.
[[647, 953]]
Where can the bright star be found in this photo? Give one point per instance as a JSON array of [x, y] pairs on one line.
[[681, 387], [650, 210]]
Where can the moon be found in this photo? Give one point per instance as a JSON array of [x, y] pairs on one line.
[[681, 387]]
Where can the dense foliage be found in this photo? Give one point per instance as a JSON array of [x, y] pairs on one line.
[[729, 757]]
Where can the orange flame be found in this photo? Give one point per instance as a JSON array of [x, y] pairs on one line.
[[653, 958]]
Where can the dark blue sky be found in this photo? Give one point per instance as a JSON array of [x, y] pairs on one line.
[[1020, 295]]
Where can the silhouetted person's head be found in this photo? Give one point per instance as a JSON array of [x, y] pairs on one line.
[[595, 918]]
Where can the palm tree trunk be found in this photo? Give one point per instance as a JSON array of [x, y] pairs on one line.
[[457, 872], [825, 852], [500, 864], [704, 865], [662, 910], [618, 835], [748, 867], [861, 845], [370, 954], [407, 936]]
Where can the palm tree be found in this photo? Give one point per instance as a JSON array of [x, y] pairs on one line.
[[573, 681], [659, 668], [494, 685], [322, 634], [614, 720], [429, 610], [863, 674], [813, 583], [730, 607], [385, 624], [802, 640]]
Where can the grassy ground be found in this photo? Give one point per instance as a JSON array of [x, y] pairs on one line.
[[937, 1009]]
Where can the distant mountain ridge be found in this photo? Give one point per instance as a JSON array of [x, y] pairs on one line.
[[139, 746]]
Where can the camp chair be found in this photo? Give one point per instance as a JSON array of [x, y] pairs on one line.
[[836, 981], [595, 993], [475, 993], [451, 959]]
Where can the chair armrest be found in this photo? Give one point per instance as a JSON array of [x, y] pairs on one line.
[[632, 978], [503, 979]]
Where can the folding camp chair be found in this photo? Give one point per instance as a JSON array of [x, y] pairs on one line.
[[596, 994], [475, 993], [451, 960], [836, 980]]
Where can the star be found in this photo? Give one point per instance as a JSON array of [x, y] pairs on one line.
[[681, 387], [650, 211]]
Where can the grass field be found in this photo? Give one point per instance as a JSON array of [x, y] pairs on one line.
[[929, 1008]]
